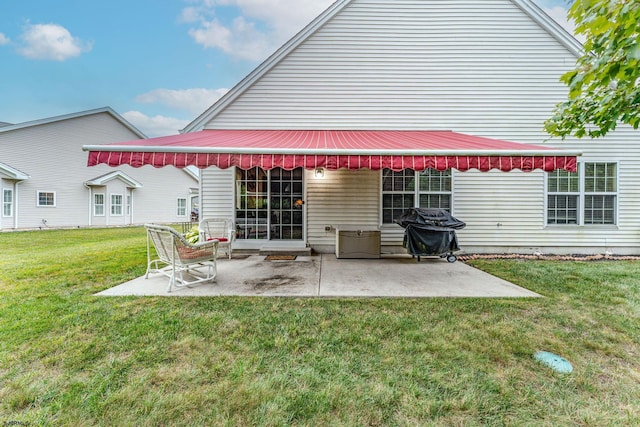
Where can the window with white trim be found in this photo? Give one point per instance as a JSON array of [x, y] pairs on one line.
[[128, 204], [116, 205], [98, 204], [7, 202], [46, 198], [586, 197], [182, 206], [563, 194], [400, 192]]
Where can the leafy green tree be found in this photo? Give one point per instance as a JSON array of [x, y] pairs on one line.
[[604, 88]]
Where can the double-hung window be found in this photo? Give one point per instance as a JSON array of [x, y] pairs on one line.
[[563, 194], [600, 193], [182, 206], [586, 197], [98, 204], [116, 204], [7, 202], [400, 192]]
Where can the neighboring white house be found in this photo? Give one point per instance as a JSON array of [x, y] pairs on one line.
[[484, 68], [45, 181]]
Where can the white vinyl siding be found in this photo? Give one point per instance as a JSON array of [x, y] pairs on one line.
[[46, 199], [181, 206], [217, 198], [116, 204], [411, 64], [481, 68], [341, 198], [7, 202], [98, 204]]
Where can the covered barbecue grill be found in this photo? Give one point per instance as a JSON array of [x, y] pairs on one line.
[[430, 232]]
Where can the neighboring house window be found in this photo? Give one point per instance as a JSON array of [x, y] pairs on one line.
[[182, 206], [116, 204], [98, 204], [399, 191], [46, 198], [7, 202], [586, 197], [128, 204]]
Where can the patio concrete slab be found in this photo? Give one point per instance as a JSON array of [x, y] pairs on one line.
[[403, 276], [326, 276]]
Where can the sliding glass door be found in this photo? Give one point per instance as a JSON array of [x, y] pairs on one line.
[[269, 204]]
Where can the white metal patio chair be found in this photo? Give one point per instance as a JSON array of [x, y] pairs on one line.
[[185, 264], [221, 229]]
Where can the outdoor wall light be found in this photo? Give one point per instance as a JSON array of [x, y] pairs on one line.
[[319, 173]]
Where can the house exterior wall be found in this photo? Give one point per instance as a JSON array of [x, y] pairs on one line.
[[341, 198], [218, 199], [52, 154], [413, 65], [482, 68]]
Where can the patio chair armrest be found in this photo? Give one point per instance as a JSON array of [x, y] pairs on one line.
[[204, 245]]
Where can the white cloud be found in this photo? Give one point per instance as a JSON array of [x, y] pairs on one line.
[[193, 100], [190, 15], [241, 39], [262, 27], [156, 125], [51, 42], [286, 17], [4, 39]]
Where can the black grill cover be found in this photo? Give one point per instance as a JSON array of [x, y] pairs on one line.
[[429, 231]]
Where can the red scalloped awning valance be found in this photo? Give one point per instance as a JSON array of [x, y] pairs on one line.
[[292, 161], [396, 150]]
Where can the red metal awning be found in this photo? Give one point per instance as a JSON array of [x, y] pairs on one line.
[[333, 149]]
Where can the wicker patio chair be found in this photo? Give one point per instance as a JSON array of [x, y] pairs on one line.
[[185, 264], [221, 229]]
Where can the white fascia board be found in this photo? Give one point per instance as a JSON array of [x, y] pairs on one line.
[[265, 67], [192, 172], [13, 173], [551, 26], [330, 152], [104, 179]]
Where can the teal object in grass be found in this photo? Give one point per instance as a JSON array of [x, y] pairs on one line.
[[555, 362]]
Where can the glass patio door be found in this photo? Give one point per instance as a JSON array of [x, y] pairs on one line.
[[286, 204], [269, 204]]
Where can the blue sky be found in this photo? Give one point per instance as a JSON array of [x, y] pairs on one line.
[[157, 63]]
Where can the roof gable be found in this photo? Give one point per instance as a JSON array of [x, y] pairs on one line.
[[107, 110], [527, 6], [12, 173], [119, 175]]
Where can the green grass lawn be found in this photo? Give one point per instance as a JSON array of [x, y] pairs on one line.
[[70, 358]]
